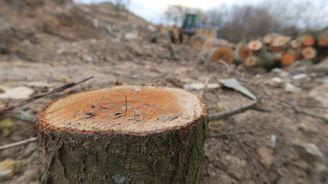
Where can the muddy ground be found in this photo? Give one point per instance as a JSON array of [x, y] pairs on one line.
[[284, 140]]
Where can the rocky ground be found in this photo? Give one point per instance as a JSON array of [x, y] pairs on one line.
[[283, 141]]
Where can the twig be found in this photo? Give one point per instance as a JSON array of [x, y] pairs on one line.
[[205, 86], [297, 110], [36, 97], [226, 65], [19, 143], [225, 114]]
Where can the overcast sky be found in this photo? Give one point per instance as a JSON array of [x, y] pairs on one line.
[[152, 10]]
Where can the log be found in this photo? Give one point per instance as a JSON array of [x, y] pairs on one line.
[[268, 38], [295, 44], [251, 61], [222, 53], [323, 41], [216, 42], [254, 45], [280, 41], [323, 38], [263, 59], [242, 52], [124, 134], [307, 40], [309, 53], [288, 58]]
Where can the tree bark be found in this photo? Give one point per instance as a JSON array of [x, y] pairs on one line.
[[123, 135]]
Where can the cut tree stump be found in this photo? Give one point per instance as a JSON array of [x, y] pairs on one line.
[[123, 135]]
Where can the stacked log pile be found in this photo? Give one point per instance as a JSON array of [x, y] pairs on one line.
[[274, 50]]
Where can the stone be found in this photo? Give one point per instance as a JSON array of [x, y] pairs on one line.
[[307, 127], [309, 152], [266, 156], [275, 82], [20, 92], [131, 35], [280, 72], [236, 167], [292, 88], [320, 94], [322, 66], [300, 76], [8, 168]]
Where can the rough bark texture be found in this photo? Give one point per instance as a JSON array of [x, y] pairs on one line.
[[172, 156]]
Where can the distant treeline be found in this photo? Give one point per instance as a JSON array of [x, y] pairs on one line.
[[240, 22]]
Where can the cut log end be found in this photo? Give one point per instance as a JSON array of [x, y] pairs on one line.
[[123, 110], [309, 53], [295, 44], [223, 53], [250, 61], [255, 45], [244, 53], [280, 41], [288, 58], [323, 41], [268, 38], [308, 40]]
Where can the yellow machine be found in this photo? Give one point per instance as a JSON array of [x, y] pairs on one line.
[[189, 33]]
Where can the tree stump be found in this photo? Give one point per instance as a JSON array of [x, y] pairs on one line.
[[123, 135]]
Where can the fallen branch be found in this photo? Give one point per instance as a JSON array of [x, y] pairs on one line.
[[225, 114], [19, 143], [36, 97], [297, 110]]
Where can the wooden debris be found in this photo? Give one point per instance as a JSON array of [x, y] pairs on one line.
[[288, 58], [223, 53], [268, 38], [242, 52], [280, 41], [251, 61], [273, 50], [307, 40], [323, 39], [19, 143], [295, 44], [254, 45], [309, 53], [36, 97]]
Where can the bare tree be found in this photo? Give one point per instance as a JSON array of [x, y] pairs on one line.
[[289, 17]]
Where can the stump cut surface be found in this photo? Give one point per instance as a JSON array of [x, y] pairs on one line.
[[123, 110]]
